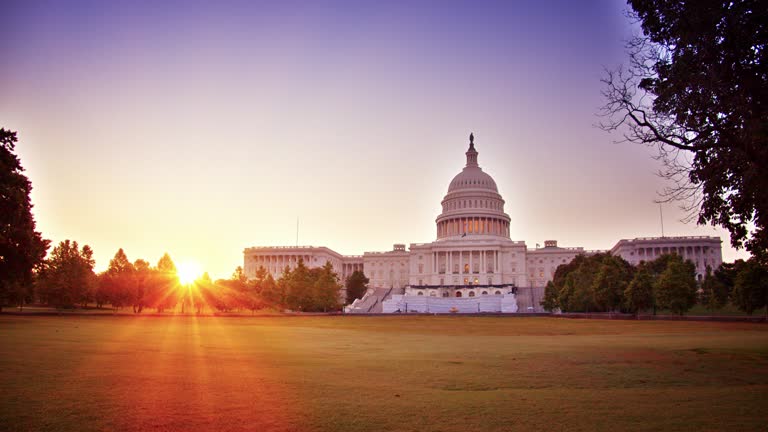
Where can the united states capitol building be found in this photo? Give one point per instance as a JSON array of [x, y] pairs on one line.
[[473, 265]]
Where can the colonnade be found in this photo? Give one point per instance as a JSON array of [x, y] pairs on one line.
[[684, 251], [276, 263], [466, 262], [472, 225]]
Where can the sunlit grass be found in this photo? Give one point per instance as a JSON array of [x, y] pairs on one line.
[[380, 373]]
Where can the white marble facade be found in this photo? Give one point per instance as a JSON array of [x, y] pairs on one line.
[[473, 255]]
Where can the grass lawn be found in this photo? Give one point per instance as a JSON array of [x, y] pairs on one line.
[[451, 373]]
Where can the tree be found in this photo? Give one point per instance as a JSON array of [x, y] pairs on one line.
[[22, 248], [298, 285], [143, 275], [550, 301], [726, 274], [356, 285], [66, 277], [164, 286], [251, 297], [117, 283], [578, 290], [639, 293], [696, 88], [326, 287], [750, 291], [271, 292], [714, 294], [676, 287], [202, 292], [613, 276]]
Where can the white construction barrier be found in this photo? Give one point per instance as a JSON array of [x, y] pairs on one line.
[[506, 303]]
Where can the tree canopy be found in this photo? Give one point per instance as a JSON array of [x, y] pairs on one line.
[[66, 278], [750, 291], [676, 286], [696, 87], [21, 247], [356, 285], [639, 294]]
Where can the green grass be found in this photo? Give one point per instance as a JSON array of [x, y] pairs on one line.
[[446, 373]]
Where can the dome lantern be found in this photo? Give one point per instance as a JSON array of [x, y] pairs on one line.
[[471, 153]]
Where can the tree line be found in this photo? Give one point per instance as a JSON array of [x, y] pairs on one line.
[[66, 279], [608, 283]]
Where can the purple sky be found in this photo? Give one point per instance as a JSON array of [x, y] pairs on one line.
[[201, 128]]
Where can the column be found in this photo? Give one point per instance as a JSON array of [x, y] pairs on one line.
[[483, 269], [471, 267]]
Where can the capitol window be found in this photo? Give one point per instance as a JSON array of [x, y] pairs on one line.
[[471, 293]]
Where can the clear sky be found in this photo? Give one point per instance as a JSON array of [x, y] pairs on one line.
[[201, 128]]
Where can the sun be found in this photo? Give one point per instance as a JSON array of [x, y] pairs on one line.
[[188, 272]]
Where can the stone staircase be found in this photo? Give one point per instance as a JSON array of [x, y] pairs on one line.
[[372, 300]]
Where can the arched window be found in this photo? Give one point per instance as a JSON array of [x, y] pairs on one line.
[[485, 292], [458, 293], [432, 294], [420, 293], [498, 293], [445, 294], [471, 293]]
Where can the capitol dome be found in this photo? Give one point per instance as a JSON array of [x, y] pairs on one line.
[[472, 177], [473, 205]]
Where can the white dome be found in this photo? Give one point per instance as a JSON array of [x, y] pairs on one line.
[[472, 177], [473, 205]]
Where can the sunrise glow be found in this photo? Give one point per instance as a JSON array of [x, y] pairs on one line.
[[188, 272]]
